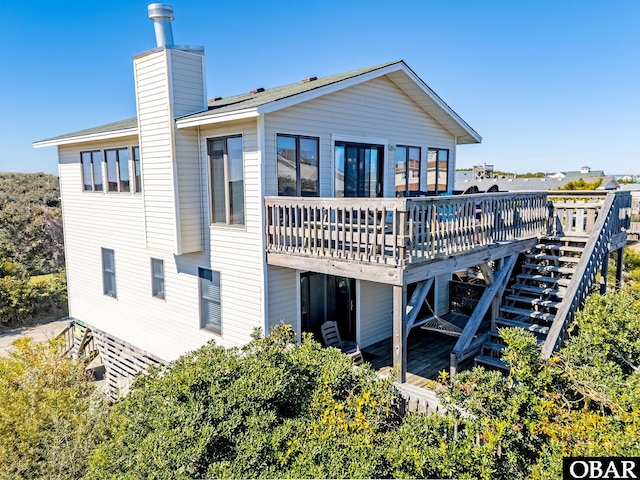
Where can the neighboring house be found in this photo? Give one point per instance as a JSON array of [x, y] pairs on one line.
[[205, 220]]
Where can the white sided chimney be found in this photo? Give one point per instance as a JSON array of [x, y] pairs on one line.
[[170, 83], [162, 14]]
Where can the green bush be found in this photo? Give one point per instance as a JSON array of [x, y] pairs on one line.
[[25, 299], [48, 413]]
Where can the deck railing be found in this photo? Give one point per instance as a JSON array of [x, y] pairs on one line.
[[574, 213], [612, 220], [401, 231]]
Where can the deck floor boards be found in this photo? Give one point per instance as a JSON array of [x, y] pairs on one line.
[[428, 353]]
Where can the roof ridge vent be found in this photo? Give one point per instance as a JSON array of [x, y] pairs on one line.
[[309, 79], [257, 90]]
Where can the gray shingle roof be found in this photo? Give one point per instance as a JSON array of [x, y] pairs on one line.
[[252, 100], [109, 127]]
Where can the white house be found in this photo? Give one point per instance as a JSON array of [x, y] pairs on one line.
[[206, 219]]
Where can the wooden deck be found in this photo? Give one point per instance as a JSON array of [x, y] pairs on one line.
[[428, 353], [395, 233]]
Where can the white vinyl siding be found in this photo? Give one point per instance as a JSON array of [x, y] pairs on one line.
[[237, 251], [167, 328], [170, 84], [375, 109], [282, 299], [156, 148], [376, 312]]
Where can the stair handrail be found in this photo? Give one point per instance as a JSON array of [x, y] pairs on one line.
[[67, 338], [584, 276]]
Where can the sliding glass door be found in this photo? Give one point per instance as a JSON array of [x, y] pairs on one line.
[[324, 298], [359, 170]]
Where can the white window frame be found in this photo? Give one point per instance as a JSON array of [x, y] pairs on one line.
[[203, 299], [159, 294], [105, 272]]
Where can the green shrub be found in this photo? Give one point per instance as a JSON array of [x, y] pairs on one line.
[[48, 413], [25, 299]]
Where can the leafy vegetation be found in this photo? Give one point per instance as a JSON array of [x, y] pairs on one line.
[[48, 413], [580, 184], [276, 409], [32, 279]]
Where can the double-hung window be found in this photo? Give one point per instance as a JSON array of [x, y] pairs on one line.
[[227, 180], [437, 170], [108, 272], [137, 182], [407, 170], [297, 165], [210, 310], [117, 161], [157, 278], [91, 171]]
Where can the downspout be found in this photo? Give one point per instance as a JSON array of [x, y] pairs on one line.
[[265, 271], [202, 190], [452, 183]]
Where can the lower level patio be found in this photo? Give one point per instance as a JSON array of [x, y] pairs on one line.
[[428, 353]]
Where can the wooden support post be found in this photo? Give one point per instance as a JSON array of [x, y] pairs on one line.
[[490, 279], [399, 331], [453, 365], [619, 268], [603, 275]]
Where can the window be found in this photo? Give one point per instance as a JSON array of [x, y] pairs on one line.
[[437, 170], [137, 184], [157, 278], [210, 311], [108, 272], [227, 180], [359, 170], [117, 161], [297, 165], [407, 170], [91, 171]]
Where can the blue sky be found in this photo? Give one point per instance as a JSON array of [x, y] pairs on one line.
[[549, 85]]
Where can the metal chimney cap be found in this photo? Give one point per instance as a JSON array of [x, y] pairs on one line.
[[160, 10]]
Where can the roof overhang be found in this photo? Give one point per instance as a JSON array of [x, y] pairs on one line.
[[214, 117], [84, 138]]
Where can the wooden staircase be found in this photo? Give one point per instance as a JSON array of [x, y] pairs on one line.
[[78, 342], [532, 301]]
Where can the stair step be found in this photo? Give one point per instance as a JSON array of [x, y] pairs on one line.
[[568, 238], [491, 361], [532, 327], [544, 279], [533, 301], [553, 258], [562, 248], [549, 268], [528, 313], [538, 290], [493, 346]]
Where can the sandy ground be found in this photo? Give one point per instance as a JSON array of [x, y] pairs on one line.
[[39, 333]]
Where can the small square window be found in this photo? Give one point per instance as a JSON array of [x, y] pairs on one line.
[[109, 273], [210, 307], [157, 278]]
